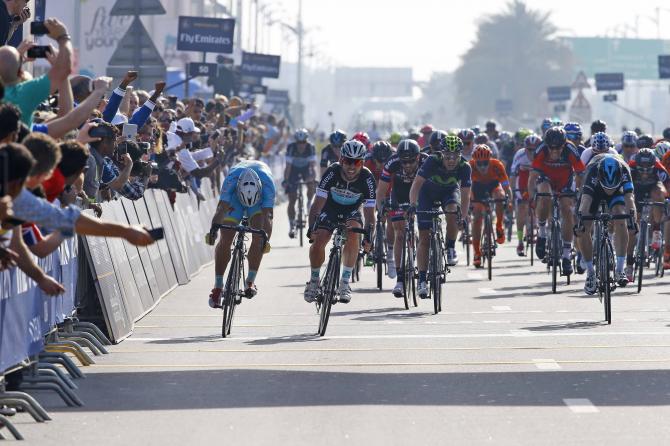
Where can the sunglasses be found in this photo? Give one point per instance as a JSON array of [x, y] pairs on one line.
[[452, 157], [412, 161], [351, 162], [555, 149]]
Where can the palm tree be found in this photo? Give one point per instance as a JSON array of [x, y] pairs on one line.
[[516, 57]]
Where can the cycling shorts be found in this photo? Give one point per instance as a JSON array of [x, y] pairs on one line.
[[432, 196]]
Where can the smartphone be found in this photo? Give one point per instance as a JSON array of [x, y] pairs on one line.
[[38, 28], [11, 221], [172, 99], [122, 148], [157, 234], [129, 131], [38, 52]]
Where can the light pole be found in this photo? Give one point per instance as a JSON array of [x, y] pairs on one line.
[[299, 31]]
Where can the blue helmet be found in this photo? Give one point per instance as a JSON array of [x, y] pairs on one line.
[[629, 138], [600, 142], [337, 138], [610, 173], [573, 131], [546, 124]]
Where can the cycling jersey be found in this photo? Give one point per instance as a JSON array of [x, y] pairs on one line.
[[372, 166], [653, 177], [587, 155], [666, 161], [560, 172], [346, 196], [229, 190], [401, 182], [521, 167], [300, 159], [329, 155], [484, 183], [593, 188]]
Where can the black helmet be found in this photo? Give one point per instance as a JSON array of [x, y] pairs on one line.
[[482, 138], [645, 142], [555, 137], [408, 149], [598, 126], [466, 135], [491, 124], [666, 133], [645, 158], [337, 138], [436, 137], [382, 151]]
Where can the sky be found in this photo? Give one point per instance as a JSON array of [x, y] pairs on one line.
[[431, 35]]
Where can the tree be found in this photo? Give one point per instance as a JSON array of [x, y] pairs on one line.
[[515, 56]]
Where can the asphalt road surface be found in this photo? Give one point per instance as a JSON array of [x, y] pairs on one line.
[[506, 362]]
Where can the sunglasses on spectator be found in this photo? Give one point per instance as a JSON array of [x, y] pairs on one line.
[[351, 162]]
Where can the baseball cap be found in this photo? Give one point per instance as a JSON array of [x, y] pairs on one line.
[[119, 119], [186, 125]]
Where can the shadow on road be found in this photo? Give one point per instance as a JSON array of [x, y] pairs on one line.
[[568, 326], [303, 337], [188, 340]]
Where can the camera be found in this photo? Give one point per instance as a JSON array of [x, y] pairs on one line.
[[38, 52], [38, 28], [122, 148]]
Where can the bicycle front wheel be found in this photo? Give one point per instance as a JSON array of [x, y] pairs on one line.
[[328, 291], [435, 273], [555, 255], [405, 264], [301, 217], [488, 254], [232, 292], [640, 258], [606, 261]]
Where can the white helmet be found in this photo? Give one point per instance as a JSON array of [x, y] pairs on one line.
[[353, 149], [249, 188], [661, 148], [301, 135]]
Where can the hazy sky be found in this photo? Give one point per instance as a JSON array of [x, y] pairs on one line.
[[431, 35]]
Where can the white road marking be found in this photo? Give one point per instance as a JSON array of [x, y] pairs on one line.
[[475, 276], [546, 364], [580, 405], [488, 291], [501, 308]]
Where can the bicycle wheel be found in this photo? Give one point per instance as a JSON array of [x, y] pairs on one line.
[[640, 257], [435, 278], [606, 261], [379, 253], [488, 235], [659, 254], [555, 257], [232, 291], [404, 262], [328, 290], [301, 216], [530, 233]]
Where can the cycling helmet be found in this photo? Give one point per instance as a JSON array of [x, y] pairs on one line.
[[598, 126], [337, 138], [645, 158], [482, 138], [556, 122], [600, 142], [629, 138], [505, 137], [610, 173], [521, 134], [381, 151], [249, 188], [437, 136], [301, 135], [491, 124], [645, 142], [573, 131], [481, 153], [546, 124], [662, 148], [353, 149], [666, 133], [427, 128], [452, 144], [395, 138], [476, 129], [363, 138], [532, 141], [466, 135], [408, 149], [413, 134], [555, 137]]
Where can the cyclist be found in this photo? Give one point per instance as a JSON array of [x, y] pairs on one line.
[[662, 148], [300, 165], [434, 142], [426, 131], [489, 179], [555, 164], [547, 123], [573, 131], [398, 175], [375, 161], [331, 153], [628, 146], [507, 148], [608, 179], [491, 130], [248, 191], [649, 178], [444, 178], [596, 127], [345, 186], [600, 143], [468, 138], [394, 139], [483, 138], [363, 138], [645, 142], [521, 167]]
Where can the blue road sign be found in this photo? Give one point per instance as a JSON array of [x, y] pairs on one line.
[[664, 66], [609, 81], [205, 35], [260, 65], [559, 94]]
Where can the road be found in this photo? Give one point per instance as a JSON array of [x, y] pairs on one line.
[[506, 362]]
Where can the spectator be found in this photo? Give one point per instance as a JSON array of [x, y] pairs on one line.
[[10, 118], [13, 14]]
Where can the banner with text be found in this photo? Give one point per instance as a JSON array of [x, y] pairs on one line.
[[260, 65], [205, 35]]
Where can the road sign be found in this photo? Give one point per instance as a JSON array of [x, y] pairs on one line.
[[137, 7], [610, 97], [253, 89], [279, 97], [580, 109], [261, 65], [201, 69], [581, 81], [609, 81], [504, 106], [664, 66], [205, 35], [559, 108], [559, 94]]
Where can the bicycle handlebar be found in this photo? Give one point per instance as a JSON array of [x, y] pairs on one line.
[[240, 229]]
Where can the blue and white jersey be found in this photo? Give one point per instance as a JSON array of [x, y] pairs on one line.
[[300, 159], [347, 195]]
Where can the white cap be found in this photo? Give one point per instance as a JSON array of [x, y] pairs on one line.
[[186, 125], [173, 141], [173, 127], [119, 119]]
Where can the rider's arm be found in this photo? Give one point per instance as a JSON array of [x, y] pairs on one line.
[[585, 204], [221, 211], [369, 216], [629, 200], [289, 162], [382, 189], [532, 180], [465, 200], [317, 205], [414, 191]]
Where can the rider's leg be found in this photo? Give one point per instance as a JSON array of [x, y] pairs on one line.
[[452, 224], [422, 253], [568, 221], [543, 209], [499, 194], [350, 251], [292, 197], [311, 189], [261, 220], [317, 252], [521, 219], [620, 236], [399, 242], [477, 217]]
